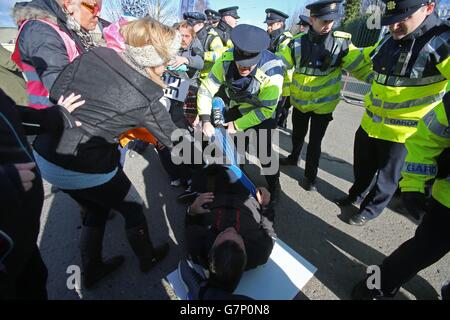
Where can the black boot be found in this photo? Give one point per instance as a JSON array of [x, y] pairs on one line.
[[94, 268], [274, 189], [289, 161], [140, 242]]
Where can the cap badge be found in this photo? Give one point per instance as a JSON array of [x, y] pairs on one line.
[[391, 5], [333, 6]]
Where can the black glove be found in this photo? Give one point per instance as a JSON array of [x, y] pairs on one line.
[[415, 202], [287, 102], [198, 52]]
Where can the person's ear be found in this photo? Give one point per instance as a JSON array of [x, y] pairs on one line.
[[430, 8], [69, 6]]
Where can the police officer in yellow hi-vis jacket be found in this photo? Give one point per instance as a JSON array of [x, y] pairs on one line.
[[252, 78], [411, 70], [428, 158], [318, 58], [213, 47], [279, 38]]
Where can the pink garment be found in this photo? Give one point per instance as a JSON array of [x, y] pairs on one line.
[[112, 36], [37, 93]]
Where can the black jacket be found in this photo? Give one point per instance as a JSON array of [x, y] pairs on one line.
[[118, 98], [256, 230], [418, 53], [20, 211], [39, 44]]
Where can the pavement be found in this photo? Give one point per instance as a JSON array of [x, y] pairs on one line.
[[310, 223]]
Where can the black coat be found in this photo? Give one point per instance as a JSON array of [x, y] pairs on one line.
[[118, 98], [20, 211], [256, 230], [39, 44]]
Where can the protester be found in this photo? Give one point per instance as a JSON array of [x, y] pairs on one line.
[[122, 91], [52, 33], [24, 274], [227, 231]]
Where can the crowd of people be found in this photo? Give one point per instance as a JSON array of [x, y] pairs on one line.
[[86, 105]]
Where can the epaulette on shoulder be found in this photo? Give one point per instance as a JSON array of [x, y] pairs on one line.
[[213, 32], [340, 34], [228, 55], [261, 76], [288, 34]]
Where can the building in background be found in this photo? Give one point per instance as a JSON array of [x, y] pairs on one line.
[[185, 6]]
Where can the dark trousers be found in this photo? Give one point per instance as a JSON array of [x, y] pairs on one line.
[[430, 243], [319, 125], [269, 124], [118, 194], [380, 159], [29, 284]]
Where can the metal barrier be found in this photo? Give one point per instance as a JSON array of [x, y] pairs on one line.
[[353, 90]]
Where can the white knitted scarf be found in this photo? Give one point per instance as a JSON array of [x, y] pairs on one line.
[[147, 56]]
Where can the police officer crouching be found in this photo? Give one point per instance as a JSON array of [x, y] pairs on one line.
[[253, 78]]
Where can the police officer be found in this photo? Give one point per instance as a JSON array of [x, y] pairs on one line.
[[303, 23], [318, 57], [428, 158], [253, 78], [276, 24], [283, 110], [411, 69], [213, 17], [212, 46], [276, 28], [228, 21]]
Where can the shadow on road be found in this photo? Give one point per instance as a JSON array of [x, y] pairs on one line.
[[331, 250], [60, 243]]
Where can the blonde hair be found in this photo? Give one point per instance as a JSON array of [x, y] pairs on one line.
[[148, 31]]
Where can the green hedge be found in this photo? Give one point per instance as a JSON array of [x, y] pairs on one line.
[[361, 35]]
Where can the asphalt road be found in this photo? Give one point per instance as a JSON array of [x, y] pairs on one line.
[[308, 222]]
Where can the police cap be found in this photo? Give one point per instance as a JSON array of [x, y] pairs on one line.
[[273, 15], [212, 15], [304, 20], [230, 11], [325, 9], [194, 17], [399, 10], [249, 41]]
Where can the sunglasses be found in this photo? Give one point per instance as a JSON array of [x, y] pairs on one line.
[[93, 8]]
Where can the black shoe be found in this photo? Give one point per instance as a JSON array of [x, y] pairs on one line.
[[187, 197], [191, 280], [310, 185], [94, 267], [140, 242], [345, 202], [358, 220], [361, 292], [288, 161]]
